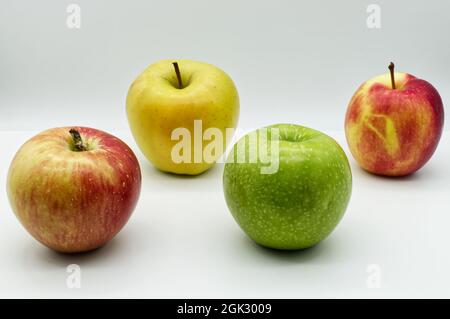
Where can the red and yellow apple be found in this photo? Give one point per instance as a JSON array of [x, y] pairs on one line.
[[394, 123], [73, 188]]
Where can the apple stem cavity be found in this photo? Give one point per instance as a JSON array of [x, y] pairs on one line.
[[391, 69], [78, 145], [177, 71]]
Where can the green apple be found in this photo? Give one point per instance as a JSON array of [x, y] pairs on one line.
[[171, 97], [300, 203]]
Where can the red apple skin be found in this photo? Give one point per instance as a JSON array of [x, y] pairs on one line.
[[394, 132], [73, 201]]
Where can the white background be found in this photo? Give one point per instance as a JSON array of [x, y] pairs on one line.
[[292, 61]]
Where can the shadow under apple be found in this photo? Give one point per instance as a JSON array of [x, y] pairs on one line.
[[159, 181], [38, 256], [324, 252], [429, 176]]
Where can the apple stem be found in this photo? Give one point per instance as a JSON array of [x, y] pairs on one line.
[[391, 69], [78, 144], [177, 71]]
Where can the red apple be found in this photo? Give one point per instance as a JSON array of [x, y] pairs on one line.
[[394, 123], [73, 189]]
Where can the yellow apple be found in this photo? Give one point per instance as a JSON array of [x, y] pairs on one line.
[[170, 96]]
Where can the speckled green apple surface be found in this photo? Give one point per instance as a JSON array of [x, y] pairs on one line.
[[302, 202]]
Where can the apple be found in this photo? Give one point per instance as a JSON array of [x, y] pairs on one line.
[[171, 95], [73, 188], [394, 123], [300, 203]]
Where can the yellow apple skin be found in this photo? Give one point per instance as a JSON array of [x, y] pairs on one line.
[[156, 106]]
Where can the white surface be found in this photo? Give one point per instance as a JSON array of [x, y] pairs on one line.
[[182, 242]]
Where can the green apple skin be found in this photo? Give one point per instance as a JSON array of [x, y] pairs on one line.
[[300, 204]]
